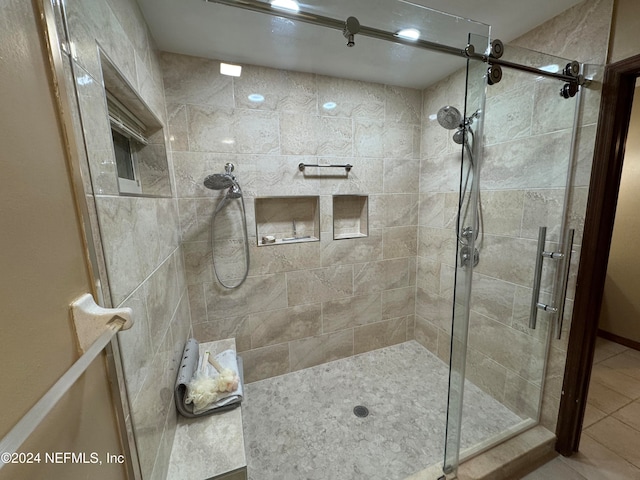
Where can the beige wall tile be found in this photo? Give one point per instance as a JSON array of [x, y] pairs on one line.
[[521, 396], [426, 334], [492, 298], [378, 335], [400, 242], [194, 80], [258, 294], [398, 303], [319, 285], [284, 91], [352, 250], [502, 212], [265, 362], [520, 353], [400, 175], [511, 115], [238, 327], [486, 374], [352, 98], [197, 303], [368, 137], [380, 275], [403, 104], [279, 326], [351, 312], [225, 130], [312, 351]]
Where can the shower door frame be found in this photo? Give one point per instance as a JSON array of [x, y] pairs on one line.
[[613, 126]]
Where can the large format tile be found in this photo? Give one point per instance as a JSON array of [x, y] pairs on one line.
[[618, 437], [554, 469], [319, 285], [627, 363], [596, 462], [606, 399], [616, 381], [630, 415], [606, 349]]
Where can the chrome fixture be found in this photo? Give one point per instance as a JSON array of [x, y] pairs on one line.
[[347, 167], [220, 181], [351, 27], [450, 118], [560, 293]]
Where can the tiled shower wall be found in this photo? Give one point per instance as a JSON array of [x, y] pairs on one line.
[[504, 356], [139, 235], [306, 303]]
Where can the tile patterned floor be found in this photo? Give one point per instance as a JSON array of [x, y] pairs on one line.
[[610, 444], [301, 426]]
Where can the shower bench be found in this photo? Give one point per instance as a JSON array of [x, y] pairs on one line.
[[210, 447]]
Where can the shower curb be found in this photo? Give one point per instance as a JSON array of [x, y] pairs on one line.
[[511, 459]]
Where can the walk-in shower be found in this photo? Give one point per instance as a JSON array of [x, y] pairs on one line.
[[226, 210], [393, 297]]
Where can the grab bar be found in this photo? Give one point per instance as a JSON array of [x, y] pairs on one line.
[[120, 319], [302, 166]]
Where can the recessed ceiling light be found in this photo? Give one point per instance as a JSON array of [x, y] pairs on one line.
[[256, 97], [286, 5], [408, 34], [329, 105], [231, 70]]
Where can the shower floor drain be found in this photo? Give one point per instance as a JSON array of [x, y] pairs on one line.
[[361, 411]]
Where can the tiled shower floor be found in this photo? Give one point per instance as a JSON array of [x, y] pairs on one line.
[[301, 426]]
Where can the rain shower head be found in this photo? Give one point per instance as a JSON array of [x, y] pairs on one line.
[[450, 117], [219, 181]]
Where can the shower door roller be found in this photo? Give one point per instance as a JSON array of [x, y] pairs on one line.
[[494, 74]]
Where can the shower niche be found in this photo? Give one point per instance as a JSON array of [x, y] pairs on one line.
[[285, 220], [350, 216]]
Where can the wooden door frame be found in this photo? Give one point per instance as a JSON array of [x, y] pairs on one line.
[[613, 124]]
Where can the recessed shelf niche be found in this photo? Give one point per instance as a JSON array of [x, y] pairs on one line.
[[350, 216], [285, 220]]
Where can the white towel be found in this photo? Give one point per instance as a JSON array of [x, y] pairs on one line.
[[227, 359]]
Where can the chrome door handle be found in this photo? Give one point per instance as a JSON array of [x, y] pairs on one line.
[[533, 312], [561, 292]]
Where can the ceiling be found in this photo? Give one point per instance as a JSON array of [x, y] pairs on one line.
[[203, 29]]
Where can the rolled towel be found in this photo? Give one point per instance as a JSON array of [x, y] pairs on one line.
[[216, 382]]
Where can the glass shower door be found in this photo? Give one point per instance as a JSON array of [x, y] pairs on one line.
[[522, 162]]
